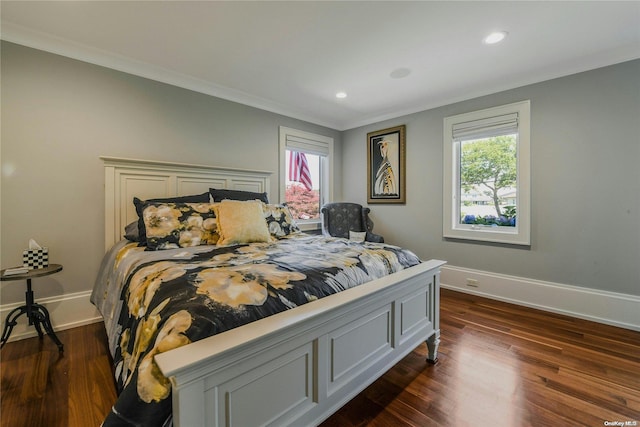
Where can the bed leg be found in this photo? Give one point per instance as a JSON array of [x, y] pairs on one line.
[[432, 348]]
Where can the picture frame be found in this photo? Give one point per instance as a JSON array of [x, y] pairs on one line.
[[386, 169]]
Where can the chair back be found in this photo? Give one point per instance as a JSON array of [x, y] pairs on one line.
[[339, 218]]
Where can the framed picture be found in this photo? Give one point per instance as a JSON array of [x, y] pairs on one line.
[[386, 165]]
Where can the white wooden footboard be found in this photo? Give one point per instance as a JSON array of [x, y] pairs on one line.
[[300, 366]]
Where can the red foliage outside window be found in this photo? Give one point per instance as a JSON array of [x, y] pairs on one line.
[[303, 203]]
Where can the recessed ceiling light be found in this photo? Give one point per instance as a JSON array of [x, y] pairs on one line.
[[341, 95], [495, 37]]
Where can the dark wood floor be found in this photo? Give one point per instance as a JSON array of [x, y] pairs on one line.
[[499, 365]]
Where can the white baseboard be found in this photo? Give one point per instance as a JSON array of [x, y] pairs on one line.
[[611, 308], [73, 310], [66, 312]]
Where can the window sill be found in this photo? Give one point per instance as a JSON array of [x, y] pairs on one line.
[[485, 233]]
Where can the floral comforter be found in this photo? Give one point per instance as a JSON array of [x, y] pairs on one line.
[[154, 301]]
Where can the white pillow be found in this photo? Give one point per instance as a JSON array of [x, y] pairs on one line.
[[357, 236]]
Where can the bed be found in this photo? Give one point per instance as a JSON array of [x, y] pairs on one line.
[[280, 331]]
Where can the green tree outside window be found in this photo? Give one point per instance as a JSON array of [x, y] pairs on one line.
[[490, 165]]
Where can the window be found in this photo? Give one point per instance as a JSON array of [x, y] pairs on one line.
[[305, 174], [486, 175]]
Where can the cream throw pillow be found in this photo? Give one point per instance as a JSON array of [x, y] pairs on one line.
[[241, 222]]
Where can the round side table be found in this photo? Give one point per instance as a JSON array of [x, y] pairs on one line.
[[37, 314]]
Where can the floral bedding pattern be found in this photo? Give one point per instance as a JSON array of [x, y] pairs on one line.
[[179, 225], [156, 301]]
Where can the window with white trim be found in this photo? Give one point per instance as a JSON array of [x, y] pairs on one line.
[[486, 175], [306, 173]]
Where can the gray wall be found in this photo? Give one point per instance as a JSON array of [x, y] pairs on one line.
[[585, 183], [59, 115]]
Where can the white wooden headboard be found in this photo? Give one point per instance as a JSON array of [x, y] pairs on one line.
[[125, 179]]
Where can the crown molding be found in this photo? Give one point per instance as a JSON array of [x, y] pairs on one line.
[[60, 46]]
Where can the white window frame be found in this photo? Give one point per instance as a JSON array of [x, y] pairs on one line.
[[518, 235], [308, 143]]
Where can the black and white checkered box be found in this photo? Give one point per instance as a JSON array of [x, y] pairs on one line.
[[34, 259]]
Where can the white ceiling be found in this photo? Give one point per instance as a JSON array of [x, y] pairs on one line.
[[292, 57]]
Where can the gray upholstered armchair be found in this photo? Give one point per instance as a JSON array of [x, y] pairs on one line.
[[341, 217]]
